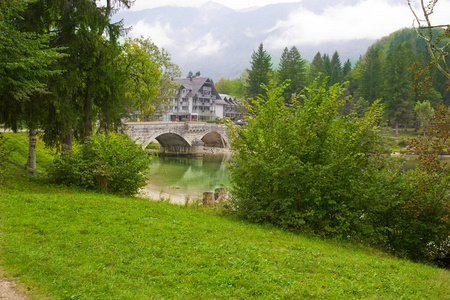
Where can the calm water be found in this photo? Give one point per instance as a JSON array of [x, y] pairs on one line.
[[183, 176]]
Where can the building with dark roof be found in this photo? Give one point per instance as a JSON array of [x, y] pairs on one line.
[[196, 100], [232, 109]]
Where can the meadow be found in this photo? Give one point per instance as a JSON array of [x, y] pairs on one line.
[[65, 243]]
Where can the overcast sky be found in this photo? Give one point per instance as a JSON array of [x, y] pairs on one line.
[[371, 19], [319, 22], [235, 4]]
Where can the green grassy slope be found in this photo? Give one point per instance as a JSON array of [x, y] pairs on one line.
[[17, 146], [63, 243]]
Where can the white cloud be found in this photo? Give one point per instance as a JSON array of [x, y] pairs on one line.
[[159, 33], [370, 19], [208, 45]]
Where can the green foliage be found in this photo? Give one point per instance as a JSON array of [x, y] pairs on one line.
[[336, 69], [153, 146], [292, 68], [306, 167], [260, 72], [16, 147], [424, 112], [150, 74], [234, 87], [109, 162], [144, 75], [398, 93], [26, 63], [292, 164], [370, 77], [317, 68]]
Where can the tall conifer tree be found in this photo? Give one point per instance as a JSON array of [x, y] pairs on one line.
[[317, 68], [335, 69], [292, 67], [398, 93], [259, 73], [370, 84]]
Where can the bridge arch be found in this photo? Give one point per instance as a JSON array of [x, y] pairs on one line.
[[165, 139], [214, 139], [172, 142]]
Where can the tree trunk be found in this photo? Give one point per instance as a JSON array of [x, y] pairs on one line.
[[405, 127], [31, 162], [87, 112], [66, 142], [66, 136]]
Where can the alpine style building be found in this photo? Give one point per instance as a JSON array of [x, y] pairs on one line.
[[197, 100]]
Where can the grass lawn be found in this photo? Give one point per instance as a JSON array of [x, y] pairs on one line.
[[17, 146], [61, 243]]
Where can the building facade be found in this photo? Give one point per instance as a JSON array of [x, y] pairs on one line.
[[198, 100], [232, 109]]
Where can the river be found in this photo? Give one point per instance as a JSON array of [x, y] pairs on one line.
[[180, 177], [175, 178]]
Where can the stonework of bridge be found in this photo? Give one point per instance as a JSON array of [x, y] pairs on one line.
[[179, 137]]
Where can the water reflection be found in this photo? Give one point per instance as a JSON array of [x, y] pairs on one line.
[[186, 176]]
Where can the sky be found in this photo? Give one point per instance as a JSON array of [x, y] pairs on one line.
[[368, 19], [234, 4], [333, 23]]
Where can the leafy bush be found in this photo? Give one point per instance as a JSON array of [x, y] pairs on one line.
[[303, 165], [306, 167], [109, 162], [152, 146]]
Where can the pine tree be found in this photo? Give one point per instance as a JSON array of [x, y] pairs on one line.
[[317, 68], [259, 73], [26, 63], [335, 69], [398, 93], [327, 66], [88, 88], [346, 68], [370, 84], [292, 67]]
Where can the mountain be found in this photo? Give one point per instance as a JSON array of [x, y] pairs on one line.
[[219, 41]]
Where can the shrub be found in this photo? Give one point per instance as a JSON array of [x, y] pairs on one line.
[[108, 162], [306, 167], [152, 146]]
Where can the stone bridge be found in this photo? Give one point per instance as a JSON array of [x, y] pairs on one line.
[[179, 137]]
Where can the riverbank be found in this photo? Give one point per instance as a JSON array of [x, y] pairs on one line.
[[206, 151], [149, 193]]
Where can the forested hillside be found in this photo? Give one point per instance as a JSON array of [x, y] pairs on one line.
[[394, 70]]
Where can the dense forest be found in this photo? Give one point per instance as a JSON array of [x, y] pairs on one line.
[[393, 70]]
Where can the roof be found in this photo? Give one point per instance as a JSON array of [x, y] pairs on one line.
[[221, 102], [194, 84]]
